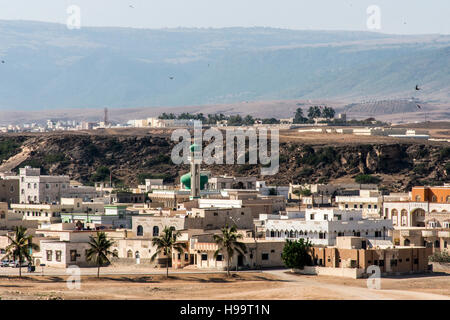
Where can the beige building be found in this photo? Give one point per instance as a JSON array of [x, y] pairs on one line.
[[357, 254], [260, 253]]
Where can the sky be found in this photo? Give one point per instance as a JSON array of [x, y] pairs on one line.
[[395, 16]]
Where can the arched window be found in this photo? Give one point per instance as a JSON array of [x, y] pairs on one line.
[[394, 216], [129, 254], [433, 198], [291, 234], [404, 217], [155, 231], [137, 255], [140, 231], [417, 198]]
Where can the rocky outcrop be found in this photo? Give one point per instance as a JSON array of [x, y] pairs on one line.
[[132, 158]]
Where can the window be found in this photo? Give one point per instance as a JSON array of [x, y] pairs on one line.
[[265, 256], [73, 255], [346, 206], [311, 216], [360, 206], [186, 256], [219, 257], [433, 199], [417, 198], [355, 206], [216, 214], [381, 263], [58, 255], [375, 206], [47, 186], [49, 255], [155, 231], [325, 217], [446, 225], [130, 254], [377, 234], [369, 206], [416, 261], [204, 256], [29, 186], [393, 262], [140, 231]]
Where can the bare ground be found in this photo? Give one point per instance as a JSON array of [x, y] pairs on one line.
[[266, 285]]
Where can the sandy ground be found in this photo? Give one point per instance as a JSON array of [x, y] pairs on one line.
[[275, 284]]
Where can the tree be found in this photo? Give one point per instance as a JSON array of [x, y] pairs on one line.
[[99, 251], [21, 246], [305, 192], [235, 120], [314, 112], [298, 117], [228, 243], [248, 120], [166, 244], [328, 112], [296, 254], [367, 178]]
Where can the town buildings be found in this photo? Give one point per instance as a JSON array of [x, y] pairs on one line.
[[323, 225]]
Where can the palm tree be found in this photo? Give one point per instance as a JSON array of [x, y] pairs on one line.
[[166, 244], [99, 251], [21, 246], [228, 243]]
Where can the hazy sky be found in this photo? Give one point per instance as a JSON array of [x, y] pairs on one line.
[[397, 16]]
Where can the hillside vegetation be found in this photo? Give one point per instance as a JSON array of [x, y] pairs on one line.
[[131, 159]]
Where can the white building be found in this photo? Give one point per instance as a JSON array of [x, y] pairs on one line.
[[369, 201], [37, 188], [322, 226]]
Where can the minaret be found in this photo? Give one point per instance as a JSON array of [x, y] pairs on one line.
[[195, 160]]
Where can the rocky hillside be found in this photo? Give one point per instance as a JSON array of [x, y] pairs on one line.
[[88, 158]]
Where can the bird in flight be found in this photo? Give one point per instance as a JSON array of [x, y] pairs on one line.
[[418, 106], [417, 87], [131, 6], [171, 78], [3, 61]]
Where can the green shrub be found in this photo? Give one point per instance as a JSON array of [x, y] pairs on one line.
[[367, 179], [445, 153], [440, 257], [296, 254], [420, 169]]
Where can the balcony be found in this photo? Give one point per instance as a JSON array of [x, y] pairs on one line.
[[405, 233], [444, 234], [429, 233]]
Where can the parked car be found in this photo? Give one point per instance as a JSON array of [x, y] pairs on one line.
[[4, 263], [15, 264]]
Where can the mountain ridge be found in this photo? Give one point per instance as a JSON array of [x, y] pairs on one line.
[[50, 67]]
